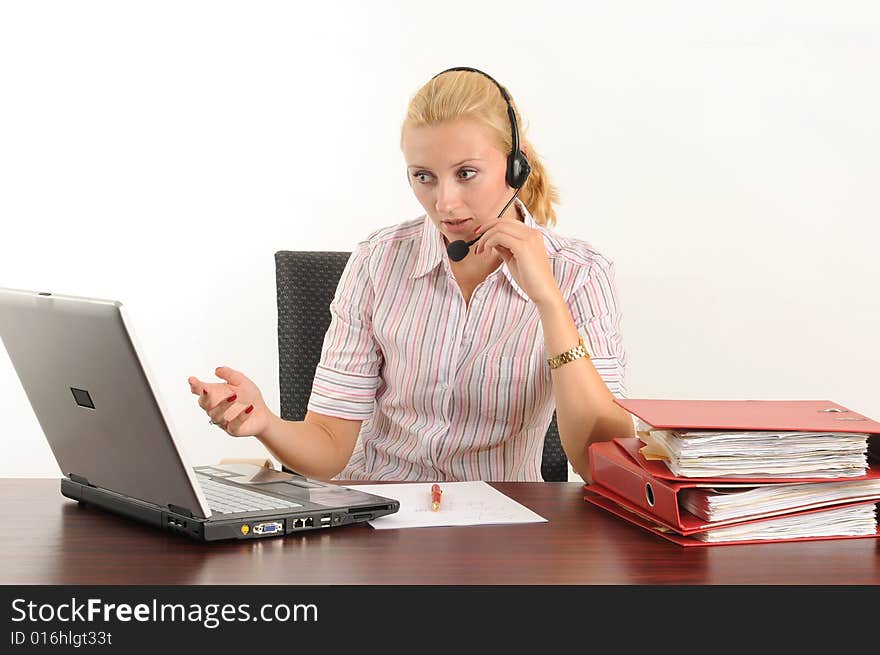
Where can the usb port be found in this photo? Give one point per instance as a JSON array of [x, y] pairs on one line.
[[325, 521]]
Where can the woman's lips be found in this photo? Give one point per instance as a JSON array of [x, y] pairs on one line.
[[459, 227]]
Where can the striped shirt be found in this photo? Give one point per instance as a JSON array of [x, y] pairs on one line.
[[449, 391]]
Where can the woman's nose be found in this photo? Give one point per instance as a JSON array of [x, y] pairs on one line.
[[448, 197]]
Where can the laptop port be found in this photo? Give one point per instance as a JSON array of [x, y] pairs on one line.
[[325, 521], [269, 527]]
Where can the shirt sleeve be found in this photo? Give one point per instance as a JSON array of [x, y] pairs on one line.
[[347, 375], [596, 312]]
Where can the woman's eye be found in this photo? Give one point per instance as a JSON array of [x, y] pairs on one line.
[[425, 177]]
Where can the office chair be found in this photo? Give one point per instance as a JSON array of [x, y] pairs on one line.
[[305, 283]]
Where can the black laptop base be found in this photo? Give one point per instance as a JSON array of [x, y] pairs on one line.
[[272, 523]]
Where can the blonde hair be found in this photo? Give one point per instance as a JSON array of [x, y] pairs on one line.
[[466, 94]]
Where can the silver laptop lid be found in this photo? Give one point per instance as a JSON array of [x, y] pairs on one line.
[[78, 361]]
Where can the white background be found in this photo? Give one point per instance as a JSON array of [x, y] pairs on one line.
[[723, 154]]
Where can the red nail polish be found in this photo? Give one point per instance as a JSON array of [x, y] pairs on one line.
[[204, 392], [249, 409], [232, 398]]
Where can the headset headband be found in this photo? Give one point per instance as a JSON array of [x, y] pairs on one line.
[[514, 131]]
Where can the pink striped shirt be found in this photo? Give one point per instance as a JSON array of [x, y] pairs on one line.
[[449, 391]]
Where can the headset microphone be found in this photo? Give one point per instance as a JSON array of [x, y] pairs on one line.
[[458, 250], [518, 167]]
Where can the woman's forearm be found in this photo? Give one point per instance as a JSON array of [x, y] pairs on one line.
[[307, 447], [585, 408]]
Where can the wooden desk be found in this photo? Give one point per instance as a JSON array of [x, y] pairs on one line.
[[49, 539]]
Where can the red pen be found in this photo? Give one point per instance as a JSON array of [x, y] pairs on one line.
[[435, 497]]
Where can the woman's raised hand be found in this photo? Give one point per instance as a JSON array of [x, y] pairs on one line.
[[236, 405]]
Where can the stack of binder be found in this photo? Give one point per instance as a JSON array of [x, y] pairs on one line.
[[724, 472]]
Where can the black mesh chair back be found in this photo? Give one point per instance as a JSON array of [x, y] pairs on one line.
[[554, 463], [305, 282]]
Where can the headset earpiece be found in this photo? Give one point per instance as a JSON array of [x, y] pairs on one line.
[[518, 169]]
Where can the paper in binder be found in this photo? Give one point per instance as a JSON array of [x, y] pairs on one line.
[[738, 439]]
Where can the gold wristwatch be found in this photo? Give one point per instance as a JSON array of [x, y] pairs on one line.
[[570, 355]]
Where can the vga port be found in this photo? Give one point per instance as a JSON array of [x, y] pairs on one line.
[[269, 527]]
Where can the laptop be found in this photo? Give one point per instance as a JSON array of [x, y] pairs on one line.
[[89, 386]]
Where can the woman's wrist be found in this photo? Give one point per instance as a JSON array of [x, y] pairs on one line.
[[551, 304], [560, 332], [272, 426]]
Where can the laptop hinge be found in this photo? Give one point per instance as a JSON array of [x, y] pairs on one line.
[[79, 479], [180, 510]]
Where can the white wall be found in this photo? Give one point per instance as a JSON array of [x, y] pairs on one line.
[[723, 154]]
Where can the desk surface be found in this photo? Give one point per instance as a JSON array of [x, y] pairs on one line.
[[52, 540]]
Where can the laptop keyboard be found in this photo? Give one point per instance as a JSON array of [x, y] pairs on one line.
[[226, 499]]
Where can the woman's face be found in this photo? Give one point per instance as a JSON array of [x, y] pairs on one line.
[[457, 173]]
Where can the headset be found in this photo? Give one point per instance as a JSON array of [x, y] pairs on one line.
[[518, 167]]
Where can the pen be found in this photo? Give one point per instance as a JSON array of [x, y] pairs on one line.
[[435, 497]]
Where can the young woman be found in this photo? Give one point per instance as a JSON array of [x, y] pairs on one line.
[[445, 362]]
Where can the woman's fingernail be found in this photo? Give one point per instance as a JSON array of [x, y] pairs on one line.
[[204, 392], [249, 409], [232, 398]]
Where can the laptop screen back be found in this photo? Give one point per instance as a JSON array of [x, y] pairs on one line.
[[93, 398]]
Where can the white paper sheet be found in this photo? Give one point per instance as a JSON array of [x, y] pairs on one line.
[[462, 503]]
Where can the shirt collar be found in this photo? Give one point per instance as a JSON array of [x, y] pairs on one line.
[[432, 250]]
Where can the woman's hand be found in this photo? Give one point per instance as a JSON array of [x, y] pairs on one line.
[[235, 406], [522, 249]]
